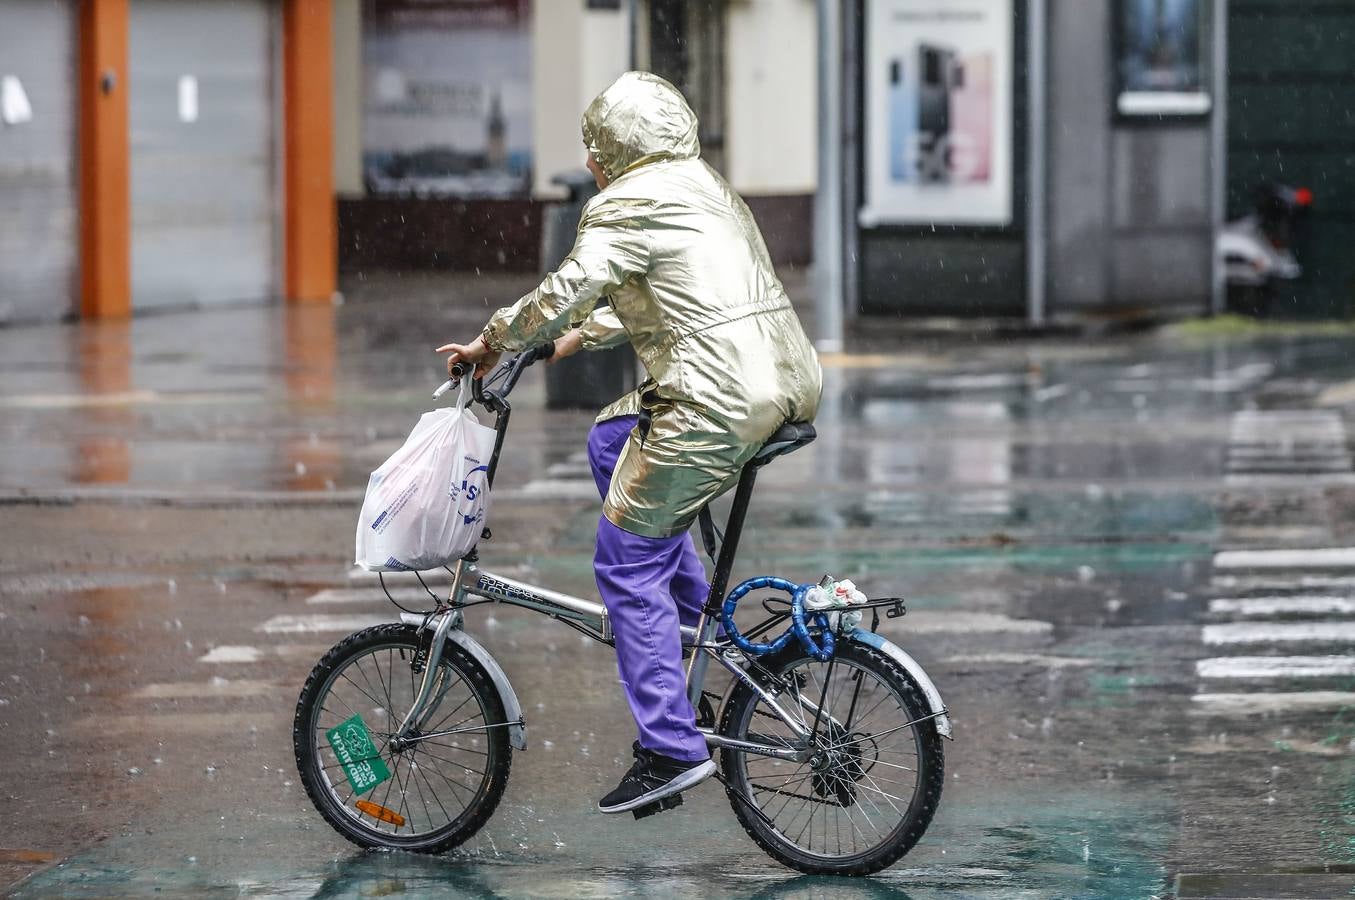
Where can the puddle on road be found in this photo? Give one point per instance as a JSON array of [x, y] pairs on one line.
[[1106, 842]]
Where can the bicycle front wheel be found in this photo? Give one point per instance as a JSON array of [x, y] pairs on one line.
[[873, 770], [441, 785]]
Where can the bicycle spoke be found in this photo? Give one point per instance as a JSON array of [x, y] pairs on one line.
[[436, 798], [390, 783], [428, 785], [452, 729], [842, 808], [415, 775], [452, 762], [404, 788], [872, 737], [359, 688], [385, 688], [437, 743], [880, 762], [362, 670], [456, 788], [468, 699]]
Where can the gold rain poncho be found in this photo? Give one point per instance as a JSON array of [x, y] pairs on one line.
[[692, 288]]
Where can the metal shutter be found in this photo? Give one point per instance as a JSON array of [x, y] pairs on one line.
[[38, 240], [203, 210]]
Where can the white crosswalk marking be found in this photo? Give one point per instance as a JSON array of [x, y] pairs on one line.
[[244, 655], [1291, 617], [1280, 442], [1302, 604], [290, 624], [216, 687], [1291, 701], [233, 654], [1333, 632], [1316, 558], [1276, 667], [1282, 582]]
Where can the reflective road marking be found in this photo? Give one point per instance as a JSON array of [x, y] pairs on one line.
[[1309, 604], [1299, 701], [217, 687], [1342, 557], [1279, 632], [1275, 667], [317, 623]]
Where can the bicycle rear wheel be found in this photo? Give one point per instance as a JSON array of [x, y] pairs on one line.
[[875, 771], [442, 785]]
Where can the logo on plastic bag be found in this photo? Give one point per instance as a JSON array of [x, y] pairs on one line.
[[468, 493]]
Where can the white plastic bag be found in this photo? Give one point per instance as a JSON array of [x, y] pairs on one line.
[[426, 505]]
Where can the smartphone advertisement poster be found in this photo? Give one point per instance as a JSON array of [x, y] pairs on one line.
[[938, 98]]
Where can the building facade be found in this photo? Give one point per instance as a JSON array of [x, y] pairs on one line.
[[163, 153], [1033, 158], [413, 115]]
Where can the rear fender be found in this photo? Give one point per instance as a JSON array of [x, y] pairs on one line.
[[915, 672]]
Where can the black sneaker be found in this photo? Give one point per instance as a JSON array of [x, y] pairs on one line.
[[653, 777]]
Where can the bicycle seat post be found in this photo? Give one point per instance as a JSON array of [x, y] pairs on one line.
[[709, 621]]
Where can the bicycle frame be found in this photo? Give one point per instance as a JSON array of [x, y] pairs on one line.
[[590, 617]]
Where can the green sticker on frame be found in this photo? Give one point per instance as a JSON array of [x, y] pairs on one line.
[[353, 746]]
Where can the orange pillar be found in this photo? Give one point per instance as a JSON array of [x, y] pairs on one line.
[[311, 243], [105, 224]]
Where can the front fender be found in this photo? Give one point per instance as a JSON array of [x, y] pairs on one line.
[[517, 728], [915, 671]]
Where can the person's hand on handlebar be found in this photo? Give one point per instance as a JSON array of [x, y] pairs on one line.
[[476, 352]]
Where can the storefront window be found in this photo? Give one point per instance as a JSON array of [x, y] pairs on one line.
[[447, 98]]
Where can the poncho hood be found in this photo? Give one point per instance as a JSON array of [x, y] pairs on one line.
[[639, 119]]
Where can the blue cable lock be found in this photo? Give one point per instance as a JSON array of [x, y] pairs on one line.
[[799, 627]]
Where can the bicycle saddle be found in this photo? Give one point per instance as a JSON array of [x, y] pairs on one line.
[[788, 438]]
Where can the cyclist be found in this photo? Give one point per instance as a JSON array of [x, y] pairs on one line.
[[692, 288]]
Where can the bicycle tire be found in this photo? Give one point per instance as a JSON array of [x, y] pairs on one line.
[[310, 758], [743, 795]]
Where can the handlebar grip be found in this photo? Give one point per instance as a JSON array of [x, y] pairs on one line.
[[459, 371], [543, 351]]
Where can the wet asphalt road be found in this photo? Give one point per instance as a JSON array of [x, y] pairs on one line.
[[1133, 701]]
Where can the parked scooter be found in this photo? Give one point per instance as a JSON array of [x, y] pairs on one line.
[[1257, 249]]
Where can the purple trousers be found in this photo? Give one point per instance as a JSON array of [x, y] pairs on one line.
[[649, 586]]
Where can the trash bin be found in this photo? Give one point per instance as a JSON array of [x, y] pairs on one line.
[[586, 380]]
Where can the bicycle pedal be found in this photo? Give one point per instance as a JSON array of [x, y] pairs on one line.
[[672, 801]]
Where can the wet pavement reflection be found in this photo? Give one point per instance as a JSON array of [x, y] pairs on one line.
[[178, 496]]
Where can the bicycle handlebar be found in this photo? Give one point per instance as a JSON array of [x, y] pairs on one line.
[[508, 372]]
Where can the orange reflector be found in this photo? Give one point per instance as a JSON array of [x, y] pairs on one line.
[[380, 812]]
